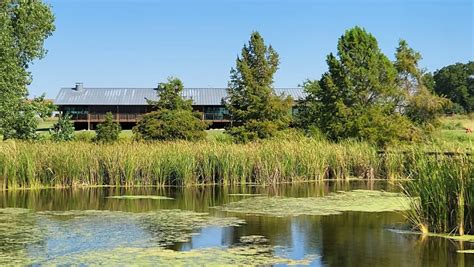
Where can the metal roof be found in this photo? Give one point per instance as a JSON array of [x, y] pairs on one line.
[[138, 96]]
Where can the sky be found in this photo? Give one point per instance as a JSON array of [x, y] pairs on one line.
[[139, 43]]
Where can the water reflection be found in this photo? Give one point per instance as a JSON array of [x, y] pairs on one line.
[[348, 239]]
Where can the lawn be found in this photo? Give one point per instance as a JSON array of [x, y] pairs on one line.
[[453, 129]]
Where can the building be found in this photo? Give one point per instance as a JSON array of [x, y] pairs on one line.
[[88, 106]]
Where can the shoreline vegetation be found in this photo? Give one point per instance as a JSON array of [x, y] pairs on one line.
[[182, 163], [438, 178]]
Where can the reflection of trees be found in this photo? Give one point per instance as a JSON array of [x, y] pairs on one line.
[[442, 252], [360, 239]]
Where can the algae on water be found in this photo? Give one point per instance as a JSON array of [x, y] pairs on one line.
[[335, 203], [164, 226], [17, 230], [23, 232], [245, 254]]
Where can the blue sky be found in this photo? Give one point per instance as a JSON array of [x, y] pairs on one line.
[[140, 43]]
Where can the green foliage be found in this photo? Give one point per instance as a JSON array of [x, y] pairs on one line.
[[170, 96], [257, 112], [44, 108], [444, 189], [418, 103], [357, 97], [365, 96], [108, 131], [456, 82], [173, 119], [24, 25], [63, 130], [85, 136], [270, 161], [22, 124], [171, 125]]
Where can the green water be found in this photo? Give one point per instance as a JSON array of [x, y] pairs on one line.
[[87, 226]]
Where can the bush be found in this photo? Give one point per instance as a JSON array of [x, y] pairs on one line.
[[108, 131], [63, 130], [85, 136], [171, 125], [254, 130]]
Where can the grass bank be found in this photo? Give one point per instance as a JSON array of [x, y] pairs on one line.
[[47, 164]]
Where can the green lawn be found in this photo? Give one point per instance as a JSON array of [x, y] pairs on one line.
[[453, 129]]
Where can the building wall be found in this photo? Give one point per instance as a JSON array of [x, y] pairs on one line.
[[87, 117]]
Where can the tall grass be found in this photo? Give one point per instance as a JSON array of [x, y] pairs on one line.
[[443, 192], [41, 164], [25, 164]]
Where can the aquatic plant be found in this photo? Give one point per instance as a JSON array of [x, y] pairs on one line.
[[23, 233], [357, 200], [242, 255], [443, 193], [17, 230], [129, 197], [73, 164]]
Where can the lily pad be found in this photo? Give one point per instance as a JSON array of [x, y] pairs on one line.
[[335, 203], [129, 197]]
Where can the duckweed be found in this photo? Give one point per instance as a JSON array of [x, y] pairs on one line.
[[357, 200], [241, 255]]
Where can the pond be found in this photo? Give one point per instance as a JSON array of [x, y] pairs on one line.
[[211, 225]]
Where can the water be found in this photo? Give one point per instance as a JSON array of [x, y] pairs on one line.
[[348, 239]]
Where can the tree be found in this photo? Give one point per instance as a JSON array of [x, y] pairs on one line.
[[24, 25], [257, 112], [63, 130], [357, 97], [44, 108], [456, 82], [23, 124], [109, 130], [417, 102], [173, 118]]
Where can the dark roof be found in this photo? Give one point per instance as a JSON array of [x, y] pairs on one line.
[[138, 96]]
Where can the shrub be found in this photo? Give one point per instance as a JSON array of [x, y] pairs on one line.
[[63, 130], [171, 125], [84, 136], [174, 118], [108, 131]]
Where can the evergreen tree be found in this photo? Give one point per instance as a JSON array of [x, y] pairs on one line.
[[257, 112], [173, 118], [24, 25], [63, 130], [109, 130], [357, 97]]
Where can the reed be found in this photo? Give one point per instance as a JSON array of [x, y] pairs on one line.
[[73, 164], [443, 191]]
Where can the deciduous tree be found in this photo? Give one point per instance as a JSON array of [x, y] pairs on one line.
[[24, 25], [456, 82]]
